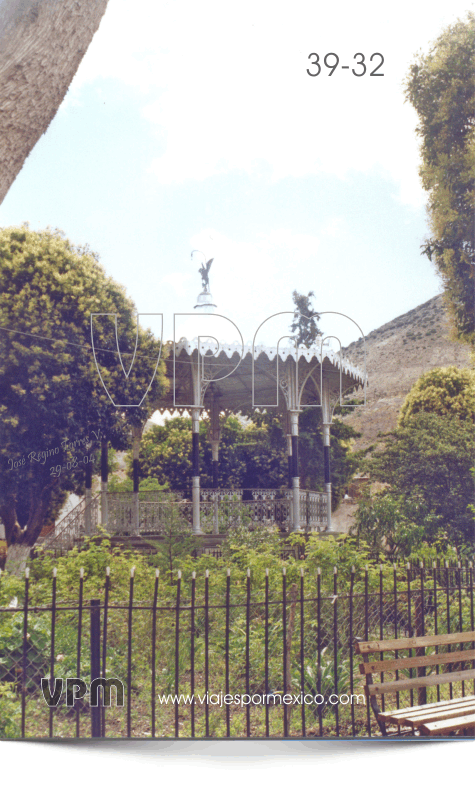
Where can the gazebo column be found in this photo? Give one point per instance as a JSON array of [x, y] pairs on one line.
[[196, 373], [215, 435], [137, 435], [288, 437], [214, 440], [88, 498], [326, 411], [328, 485], [289, 459], [215, 457], [294, 431], [195, 459], [104, 481], [215, 454]]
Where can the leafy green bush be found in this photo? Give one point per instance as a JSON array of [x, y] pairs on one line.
[[9, 712], [11, 649]]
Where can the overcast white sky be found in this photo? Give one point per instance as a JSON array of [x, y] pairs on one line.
[[194, 125]]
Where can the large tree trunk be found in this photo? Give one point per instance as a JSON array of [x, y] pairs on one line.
[[20, 540], [42, 43], [17, 555]]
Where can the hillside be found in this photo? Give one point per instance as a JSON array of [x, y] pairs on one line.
[[396, 355]]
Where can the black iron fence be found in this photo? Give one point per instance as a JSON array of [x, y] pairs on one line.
[[180, 650]]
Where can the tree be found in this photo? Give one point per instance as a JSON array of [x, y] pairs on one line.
[[304, 325], [394, 525], [449, 391], [53, 407], [431, 457], [441, 87], [248, 456]]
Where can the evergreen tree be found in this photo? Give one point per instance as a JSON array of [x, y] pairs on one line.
[[305, 323]]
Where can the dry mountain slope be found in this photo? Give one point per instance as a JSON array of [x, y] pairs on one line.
[[396, 356]]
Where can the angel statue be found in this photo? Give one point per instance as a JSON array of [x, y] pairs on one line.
[[205, 274]]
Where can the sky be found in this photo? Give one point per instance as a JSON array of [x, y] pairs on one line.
[[194, 125]]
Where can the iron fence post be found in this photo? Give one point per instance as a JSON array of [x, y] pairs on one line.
[[96, 664]]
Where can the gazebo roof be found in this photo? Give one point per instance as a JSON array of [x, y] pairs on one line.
[[233, 391]]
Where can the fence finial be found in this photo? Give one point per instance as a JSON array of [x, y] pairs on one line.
[[27, 573], [319, 570], [157, 573], [178, 574], [228, 572], [434, 564], [301, 571], [248, 572], [108, 571], [284, 571], [267, 572], [55, 571], [353, 569], [132, 572], [81, 573], [335, 570], [207, 573]]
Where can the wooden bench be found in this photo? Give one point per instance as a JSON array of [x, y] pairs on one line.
[[446, 665]]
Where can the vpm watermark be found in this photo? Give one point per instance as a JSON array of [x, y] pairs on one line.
[[204, 339], [77, 689]]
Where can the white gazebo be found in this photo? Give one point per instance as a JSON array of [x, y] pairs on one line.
[[211, 378]]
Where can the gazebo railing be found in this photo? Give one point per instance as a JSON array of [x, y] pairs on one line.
[[220, 511]]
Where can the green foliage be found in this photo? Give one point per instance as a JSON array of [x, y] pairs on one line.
[[9, 712], [427, 464], [441, 87], [11, 649], [324, 679], [50, 392], [449, 391], [249, 456], [393, 525], [341, 552], [176, 545], [127, 485], [257, 551]]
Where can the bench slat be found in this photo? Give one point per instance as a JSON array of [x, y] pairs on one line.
[[442, 705], [421, 717], [416, 661], [413, 683], [441, 727], [406, 643]]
